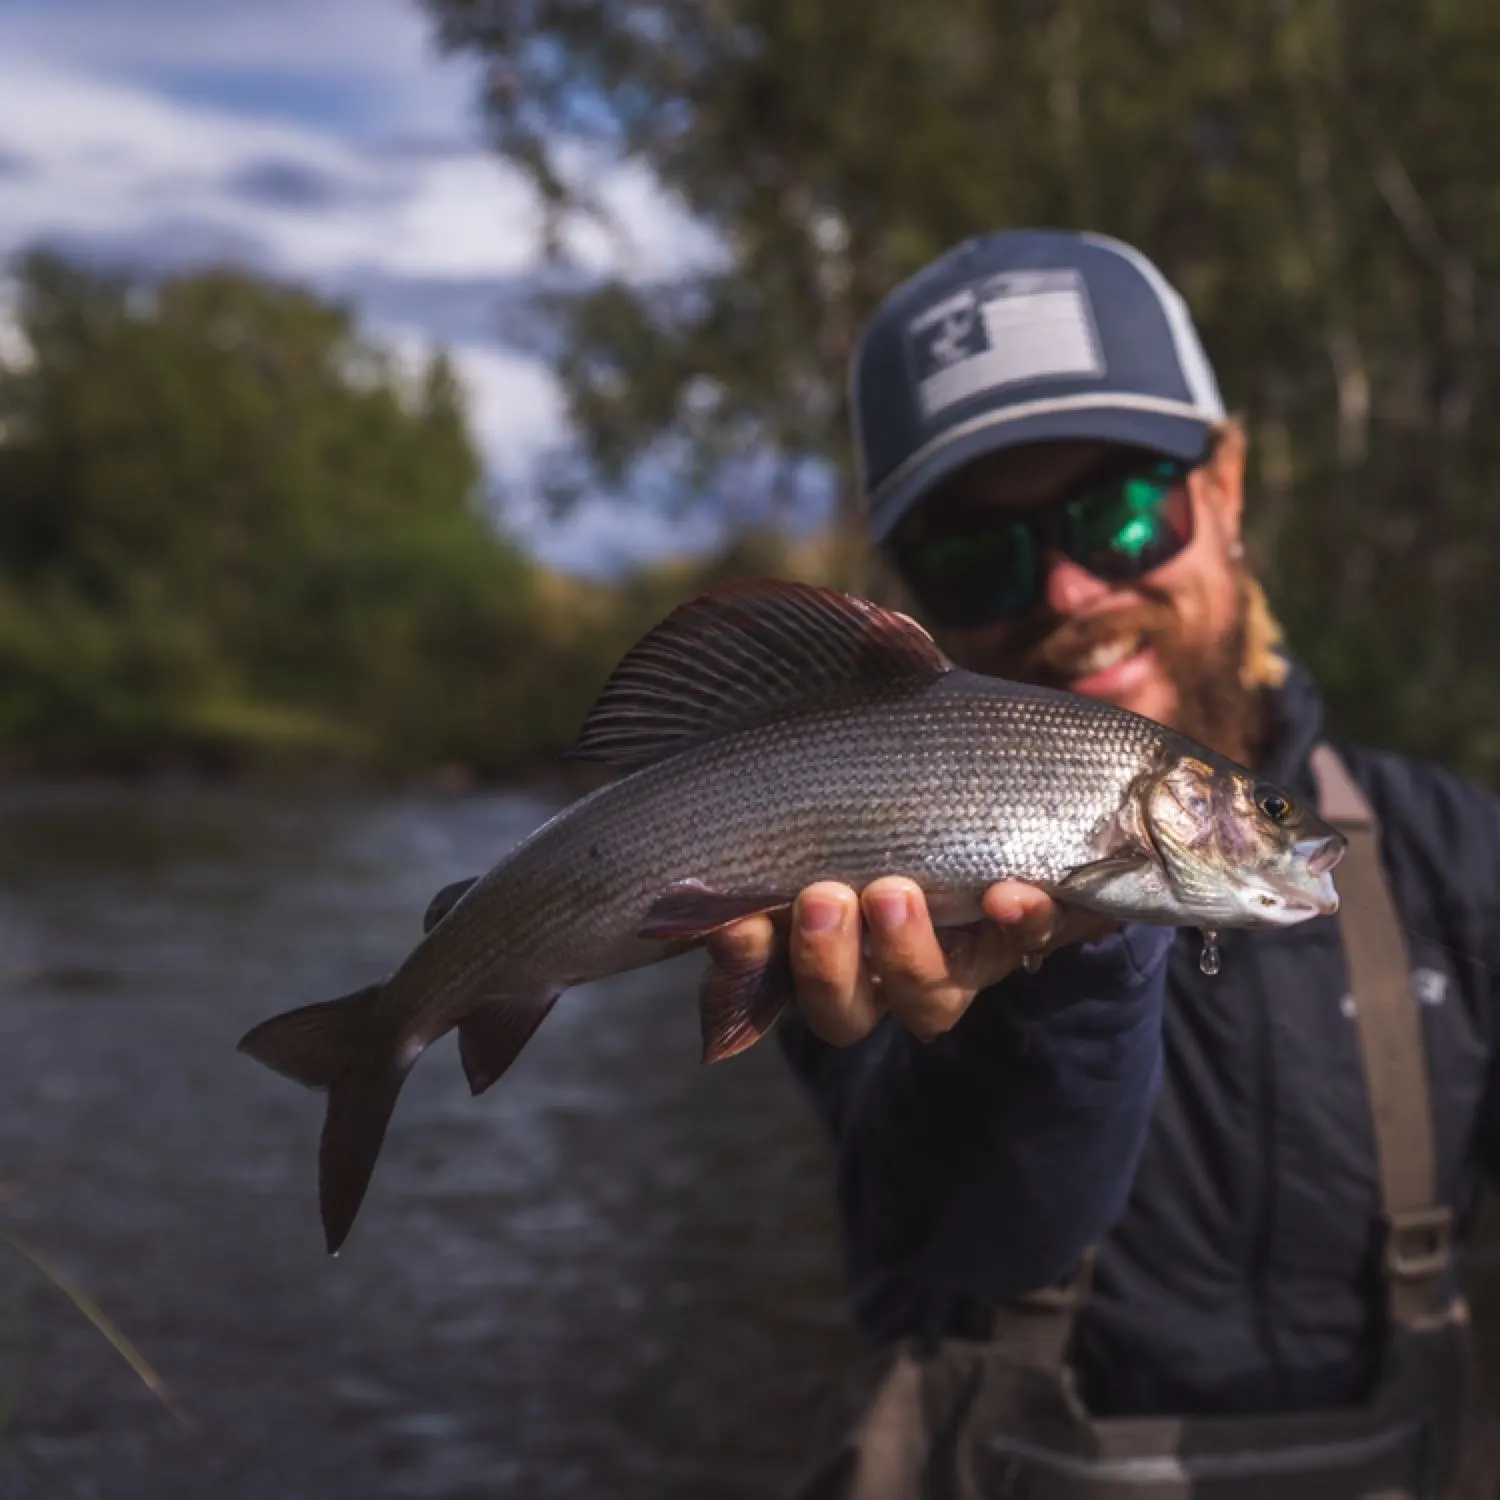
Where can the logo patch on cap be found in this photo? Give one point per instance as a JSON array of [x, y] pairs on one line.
[[1012, 327]]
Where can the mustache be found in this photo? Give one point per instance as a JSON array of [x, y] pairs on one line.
[[1051, 651]]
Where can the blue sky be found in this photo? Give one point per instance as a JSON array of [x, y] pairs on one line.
[[323, 140]]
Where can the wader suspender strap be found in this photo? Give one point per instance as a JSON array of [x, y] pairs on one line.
[[1038, 1328], [1417, 1229]]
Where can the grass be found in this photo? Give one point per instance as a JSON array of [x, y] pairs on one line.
[[12, 1383]]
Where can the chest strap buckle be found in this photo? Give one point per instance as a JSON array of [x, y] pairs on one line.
[[1418, 1243]]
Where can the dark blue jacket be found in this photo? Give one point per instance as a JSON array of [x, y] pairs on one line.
[[1217, 1128]]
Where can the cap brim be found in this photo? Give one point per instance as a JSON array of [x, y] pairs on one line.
[[1177, 437]]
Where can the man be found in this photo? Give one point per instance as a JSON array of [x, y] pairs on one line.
[[1271, 1158]]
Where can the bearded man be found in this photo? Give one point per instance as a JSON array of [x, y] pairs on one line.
[[1120, 1224]]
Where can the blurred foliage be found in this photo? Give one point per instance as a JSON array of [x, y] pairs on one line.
[[234, 533], [1316, 175]]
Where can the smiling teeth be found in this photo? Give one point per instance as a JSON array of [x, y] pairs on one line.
[[1101, 658]]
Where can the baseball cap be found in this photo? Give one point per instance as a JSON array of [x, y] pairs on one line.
[[1025, 336]]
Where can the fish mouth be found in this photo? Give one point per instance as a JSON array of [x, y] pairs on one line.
[[1276, 906], [1320, 855]]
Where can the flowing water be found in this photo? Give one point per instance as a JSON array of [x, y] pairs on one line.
[[616, 1274]]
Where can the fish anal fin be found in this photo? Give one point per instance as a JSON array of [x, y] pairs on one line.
[[491, 1037], [445, 900], [739, 653], [691, 910], [740, 1000], [314, 1044]]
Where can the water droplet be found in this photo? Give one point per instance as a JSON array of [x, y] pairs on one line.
[[1208, 958], [1032, 962]]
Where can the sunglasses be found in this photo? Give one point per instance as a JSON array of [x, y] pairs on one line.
[[994, 568]]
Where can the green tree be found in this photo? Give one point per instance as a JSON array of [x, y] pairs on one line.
[[1316, 176], [231, 527]]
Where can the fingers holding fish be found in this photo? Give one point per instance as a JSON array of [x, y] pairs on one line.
[[1024, 919], [853, 957], [1032, 923], [923, 987], [831, 983], [833, 986]]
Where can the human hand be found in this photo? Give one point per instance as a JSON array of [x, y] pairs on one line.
[[927, 979]]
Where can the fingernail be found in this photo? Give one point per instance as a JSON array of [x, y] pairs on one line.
[[1007, 911], [819, 914], [889, 909]]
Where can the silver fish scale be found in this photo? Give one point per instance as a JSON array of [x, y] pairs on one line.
[[956, 784]]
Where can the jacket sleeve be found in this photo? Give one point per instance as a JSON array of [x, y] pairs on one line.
[[982, 1165], [1474, 949]]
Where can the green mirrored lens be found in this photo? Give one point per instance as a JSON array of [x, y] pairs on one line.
[[1125, 525]]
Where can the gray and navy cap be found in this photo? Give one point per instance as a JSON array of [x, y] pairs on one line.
[[1027, 336]]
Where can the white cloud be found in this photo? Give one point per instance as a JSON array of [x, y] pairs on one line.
[[107, 162], [101, 150], [389, 39]]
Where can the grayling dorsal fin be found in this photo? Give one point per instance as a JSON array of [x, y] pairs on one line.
[[737, 654]]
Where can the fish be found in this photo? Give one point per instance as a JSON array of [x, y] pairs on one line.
[[771, 734]]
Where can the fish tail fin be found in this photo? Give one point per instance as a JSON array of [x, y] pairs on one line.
[[313, 1044], [359, 1110], [337, 1045]]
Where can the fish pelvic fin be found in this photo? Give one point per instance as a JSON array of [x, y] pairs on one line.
[[491, 1037], [739, 999], [688, 911], [340, 1046], [739, 1002]]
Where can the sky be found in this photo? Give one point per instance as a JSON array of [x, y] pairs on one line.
[[325, 141]]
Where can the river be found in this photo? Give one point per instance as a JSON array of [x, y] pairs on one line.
[[615, 1274]]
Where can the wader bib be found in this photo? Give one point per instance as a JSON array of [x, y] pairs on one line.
[[963, 1419]]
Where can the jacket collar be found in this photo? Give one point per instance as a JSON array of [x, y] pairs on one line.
[[1296, 710]]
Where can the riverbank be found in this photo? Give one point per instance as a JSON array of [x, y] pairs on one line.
[[501, 707]]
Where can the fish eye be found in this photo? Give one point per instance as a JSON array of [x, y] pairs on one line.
[[1276, 807]]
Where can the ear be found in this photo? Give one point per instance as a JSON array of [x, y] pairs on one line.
[[1219, 486]]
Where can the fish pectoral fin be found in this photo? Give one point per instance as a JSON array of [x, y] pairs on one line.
[[740, 1000], [445, 900], [1115, 885], [690, 910], [491, 1037]]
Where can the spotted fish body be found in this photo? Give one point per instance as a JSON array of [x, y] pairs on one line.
[[777, 735]]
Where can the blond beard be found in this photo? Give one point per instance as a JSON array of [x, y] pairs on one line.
[[1222, 689]]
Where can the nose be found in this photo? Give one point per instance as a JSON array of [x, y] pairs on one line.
[[1070, 588], [1322, 854]]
